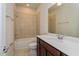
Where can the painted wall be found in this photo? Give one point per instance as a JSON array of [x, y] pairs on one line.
[[38, 23], [7, 35], [43, 10], [1, 28]]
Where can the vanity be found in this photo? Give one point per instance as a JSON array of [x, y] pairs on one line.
[[45, 49], [49, 45]]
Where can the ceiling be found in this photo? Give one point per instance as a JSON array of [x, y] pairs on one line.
[[32, 5]]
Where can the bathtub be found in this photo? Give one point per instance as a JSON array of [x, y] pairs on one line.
[[23, 42]]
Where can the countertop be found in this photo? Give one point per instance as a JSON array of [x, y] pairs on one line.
[[68, 45]]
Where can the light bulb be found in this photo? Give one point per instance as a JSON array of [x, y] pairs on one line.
[[59, 4], [27, 4]]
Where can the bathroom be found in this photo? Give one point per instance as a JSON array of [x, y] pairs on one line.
[[27, 24]]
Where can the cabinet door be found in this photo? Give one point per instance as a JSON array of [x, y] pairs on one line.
[[42, 51], [49, 54]]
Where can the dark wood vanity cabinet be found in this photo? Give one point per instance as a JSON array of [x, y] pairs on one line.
[[44, 49]]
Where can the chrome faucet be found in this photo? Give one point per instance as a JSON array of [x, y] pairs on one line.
[[60, 36]]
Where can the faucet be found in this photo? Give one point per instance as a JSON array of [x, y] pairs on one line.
[[60, 36]]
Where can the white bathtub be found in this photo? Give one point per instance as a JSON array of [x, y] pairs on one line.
[[23, 42]]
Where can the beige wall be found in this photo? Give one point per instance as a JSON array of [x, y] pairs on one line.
[[38, 24], [67, 16], [25, 22]]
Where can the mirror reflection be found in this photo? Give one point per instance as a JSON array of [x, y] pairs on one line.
[[64, 19]]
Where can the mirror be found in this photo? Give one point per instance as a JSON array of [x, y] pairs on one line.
[[64, 19]]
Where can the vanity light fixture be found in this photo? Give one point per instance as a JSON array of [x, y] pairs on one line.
[[27, 5], [59, 4]]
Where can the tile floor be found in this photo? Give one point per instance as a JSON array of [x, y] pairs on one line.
[[22, 52], [25, 52]]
